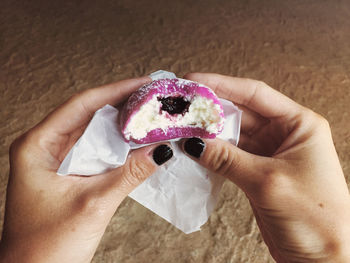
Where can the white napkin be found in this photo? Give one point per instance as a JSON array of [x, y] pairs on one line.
[[180, 191]]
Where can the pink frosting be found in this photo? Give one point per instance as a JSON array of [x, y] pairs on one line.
[[165, 88]]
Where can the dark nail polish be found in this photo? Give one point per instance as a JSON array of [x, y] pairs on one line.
[[162, 153], [194, 146]]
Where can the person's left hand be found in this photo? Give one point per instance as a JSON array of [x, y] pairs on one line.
[[51, 218]]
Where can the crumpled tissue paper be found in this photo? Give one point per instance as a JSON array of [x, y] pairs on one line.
[[180, 191]]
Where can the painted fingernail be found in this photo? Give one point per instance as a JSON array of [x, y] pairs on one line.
[[162, 153], [194, 147]]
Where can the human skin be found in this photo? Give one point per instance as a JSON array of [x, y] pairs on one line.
[[51, 218], [287, 166]]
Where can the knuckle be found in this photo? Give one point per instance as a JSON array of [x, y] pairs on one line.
[[79, 94], [257, 86], [221, 161], [136, 172], [87, 93], [15, 146], [261, 84], [22, 144], [322, 121], [315, 119], [84, 96], [78, 97]]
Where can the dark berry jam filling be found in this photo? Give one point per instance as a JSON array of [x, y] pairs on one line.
[[174, 105]]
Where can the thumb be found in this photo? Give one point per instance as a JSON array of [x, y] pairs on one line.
[[143, 162], [221, 157], [140, 164]]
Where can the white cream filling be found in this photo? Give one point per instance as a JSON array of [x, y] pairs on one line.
[[202, 113]]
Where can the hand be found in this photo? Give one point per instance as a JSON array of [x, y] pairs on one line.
[[287, 166], [50, 218]]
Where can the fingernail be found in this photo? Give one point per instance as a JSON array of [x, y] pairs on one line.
[[194, 146], [162, 153]]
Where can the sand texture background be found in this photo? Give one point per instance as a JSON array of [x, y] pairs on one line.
[[51, 49]]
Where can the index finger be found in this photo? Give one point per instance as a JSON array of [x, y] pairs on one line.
[[80, 108], [253, 94]]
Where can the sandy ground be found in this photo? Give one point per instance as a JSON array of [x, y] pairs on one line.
[[51, 49]]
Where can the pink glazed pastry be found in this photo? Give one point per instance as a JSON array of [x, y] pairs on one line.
[[167, 109]]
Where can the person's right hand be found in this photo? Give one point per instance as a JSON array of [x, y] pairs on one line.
[[287, 166]]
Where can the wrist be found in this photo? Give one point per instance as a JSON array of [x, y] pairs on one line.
[[339, 247], [341, 252], [37, 252], [16, 252], [8, 255]]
